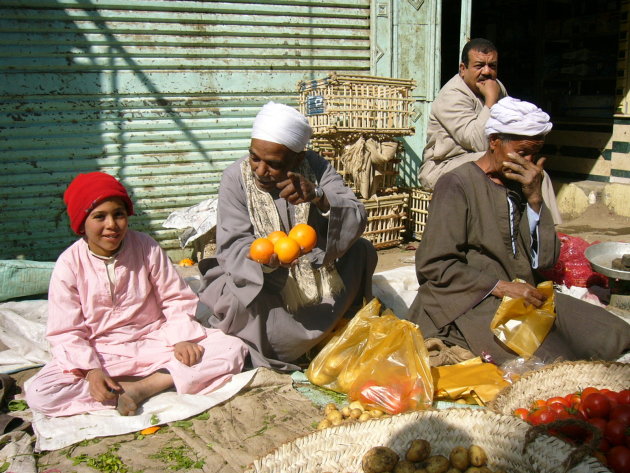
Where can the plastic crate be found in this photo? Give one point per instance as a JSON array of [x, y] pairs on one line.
[[387, 217], [357, 104], [418, 211]]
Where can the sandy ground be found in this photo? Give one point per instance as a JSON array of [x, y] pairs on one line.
[[265, 415]]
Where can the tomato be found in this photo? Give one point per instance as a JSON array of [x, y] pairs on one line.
[[612, 396], [560, 411], [598, 422], [619, 459], [596, 405], [586, 392], [521, 412], [558, 400], [615, 432], [539, 403], [623, 397], [621, 413], [542, 415], [392, 398]]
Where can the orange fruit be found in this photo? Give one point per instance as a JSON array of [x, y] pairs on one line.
[[261, 250], [305, 235], [186, 262], [150, 430], [287, 249], [275, 236]]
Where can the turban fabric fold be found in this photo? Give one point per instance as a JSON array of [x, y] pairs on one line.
[[517, 117], [87, 190], [279, 123]]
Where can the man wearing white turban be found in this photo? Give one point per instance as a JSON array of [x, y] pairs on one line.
[[279, 310], [455, 134], [489, 226]]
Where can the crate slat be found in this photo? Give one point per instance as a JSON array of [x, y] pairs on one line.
[[419, 211], [387, 217]]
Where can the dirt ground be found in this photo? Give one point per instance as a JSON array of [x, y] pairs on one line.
[[268, 413]]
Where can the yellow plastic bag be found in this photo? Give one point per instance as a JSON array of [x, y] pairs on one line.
[[524, 327], [472, 380], [379, 360]]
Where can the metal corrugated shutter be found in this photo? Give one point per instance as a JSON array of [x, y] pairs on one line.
[[160, 94]]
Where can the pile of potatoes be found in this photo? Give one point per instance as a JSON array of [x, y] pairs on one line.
[[350, 413], [418, 459]]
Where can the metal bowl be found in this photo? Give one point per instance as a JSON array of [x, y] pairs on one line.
[[601, 256]]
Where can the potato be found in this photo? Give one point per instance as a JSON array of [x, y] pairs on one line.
[[357, 405], [485, 469], [346, 411], [404, 466], [421, 470], [364, 416], [330, 407], [379, 460], [437, 464], [453, 470], [323, 424], [473, 469], [477, 455], [336, 422], [333, 416], [376, 413], [418, 450], [355, 413], [459, 458]]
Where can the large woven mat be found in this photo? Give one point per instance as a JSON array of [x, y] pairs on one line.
[[340, 449], [560, 379]]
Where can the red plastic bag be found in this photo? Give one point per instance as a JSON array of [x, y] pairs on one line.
[[572, 267]]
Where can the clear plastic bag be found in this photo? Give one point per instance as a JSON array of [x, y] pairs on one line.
[[523, 327], [379, 360]]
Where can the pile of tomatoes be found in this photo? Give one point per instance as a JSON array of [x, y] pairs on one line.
[[606, 410]]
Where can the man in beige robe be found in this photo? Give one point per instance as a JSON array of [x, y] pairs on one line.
[[455, 134], [487, 226]]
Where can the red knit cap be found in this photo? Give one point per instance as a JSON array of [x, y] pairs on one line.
[[87, 190]]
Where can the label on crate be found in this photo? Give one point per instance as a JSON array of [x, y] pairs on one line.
[[315, 105]]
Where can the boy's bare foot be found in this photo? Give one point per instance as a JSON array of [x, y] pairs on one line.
[[126, 405], [136, 392]]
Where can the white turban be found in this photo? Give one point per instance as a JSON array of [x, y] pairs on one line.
[[517, 117], [282, 124]]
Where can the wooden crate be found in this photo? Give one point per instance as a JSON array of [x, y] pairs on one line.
[[418, 211], [332, 150], [357, 104], [387, 217]]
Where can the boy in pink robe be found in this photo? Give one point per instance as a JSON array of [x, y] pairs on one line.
[[121, 320]]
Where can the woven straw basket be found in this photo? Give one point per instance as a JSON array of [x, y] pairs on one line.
[[560, 379], [340, 449]]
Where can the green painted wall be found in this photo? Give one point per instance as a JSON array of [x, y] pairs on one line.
[[160, 94]]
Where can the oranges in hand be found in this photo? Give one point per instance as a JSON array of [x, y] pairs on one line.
[[301, 239], [287, 249], [305, 235], [275, 236], [261, 250]]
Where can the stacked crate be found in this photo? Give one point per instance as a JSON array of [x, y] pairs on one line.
[[342, 109]]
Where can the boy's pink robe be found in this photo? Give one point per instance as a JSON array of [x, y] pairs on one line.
[[132, 335]]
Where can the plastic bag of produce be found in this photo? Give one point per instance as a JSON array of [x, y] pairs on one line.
[[379, 360], [523, 327]]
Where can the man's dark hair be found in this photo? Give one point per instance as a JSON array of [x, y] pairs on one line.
[[477, 44]]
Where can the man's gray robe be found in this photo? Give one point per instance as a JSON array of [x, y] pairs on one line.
[[244, 301], [466, 249]]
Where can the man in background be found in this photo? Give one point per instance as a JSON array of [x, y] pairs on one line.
[[459, 114]]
